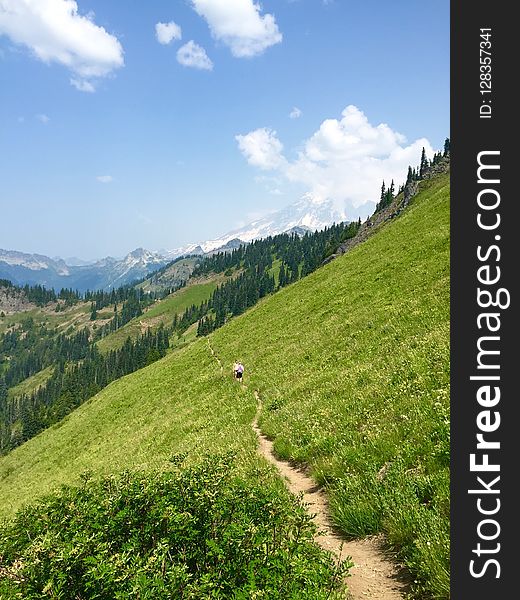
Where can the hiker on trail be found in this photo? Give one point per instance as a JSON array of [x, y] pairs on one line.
[[238, 370]]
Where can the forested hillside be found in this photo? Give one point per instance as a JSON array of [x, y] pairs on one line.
[[49, 361], [128, 328]]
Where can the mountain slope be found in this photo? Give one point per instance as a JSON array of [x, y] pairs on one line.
[[352, 364], [302, 215], [108, 273], [162, 312], [171, 276]]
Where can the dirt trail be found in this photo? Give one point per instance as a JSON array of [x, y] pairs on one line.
[[215, 356], [374, 575]]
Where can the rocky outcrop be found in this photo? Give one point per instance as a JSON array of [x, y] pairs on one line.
[[393, 210], [13, 300]]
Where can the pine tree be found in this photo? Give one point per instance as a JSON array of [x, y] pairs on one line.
[[447, 147], [424, 164], [3, 393], [281, 276]]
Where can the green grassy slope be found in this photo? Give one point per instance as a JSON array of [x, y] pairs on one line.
[[179, 404], [31, 384], [162, 311], [76, 316], [353, 366]]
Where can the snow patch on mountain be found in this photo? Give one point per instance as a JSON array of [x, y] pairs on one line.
[[305, 213], [138, 261], [34, 262]]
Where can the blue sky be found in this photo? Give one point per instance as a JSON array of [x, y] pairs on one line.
[[158, 154]]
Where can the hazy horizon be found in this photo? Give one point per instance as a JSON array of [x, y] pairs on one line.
[[166, 124]]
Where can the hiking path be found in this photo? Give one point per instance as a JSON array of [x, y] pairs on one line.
[[375, 575]]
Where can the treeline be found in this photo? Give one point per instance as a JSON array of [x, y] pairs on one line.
[[71, 384], [27, 349], [136, 300], [254, 277], [305, 251], [99, 299], [39, 294], [79, 371], [128, 302], [414, 174]]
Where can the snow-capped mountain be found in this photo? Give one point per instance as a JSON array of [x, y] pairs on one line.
[[33, 262], [138, 261], [107, 273], [304, 213], [181, 251]]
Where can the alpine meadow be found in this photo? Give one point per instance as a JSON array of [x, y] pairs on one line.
[[225, 300], [352, 366]]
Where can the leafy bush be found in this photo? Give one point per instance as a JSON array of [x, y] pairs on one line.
[[199, 532]]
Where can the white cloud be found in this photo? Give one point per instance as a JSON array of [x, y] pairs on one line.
[[43, 118], [262, 148], [345, 160], [56, 33], [271, 184], [105, 178], [193, 55], [167, 32], [295, 113], [82, 85], [239, 25]]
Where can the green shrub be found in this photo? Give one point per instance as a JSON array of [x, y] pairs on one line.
[[199, 532]]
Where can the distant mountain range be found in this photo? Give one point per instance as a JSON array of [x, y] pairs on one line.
[[107, 273], [302, 215]]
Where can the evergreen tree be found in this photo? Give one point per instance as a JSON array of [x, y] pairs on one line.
[[281, 276], [424, 164], [3, 393]]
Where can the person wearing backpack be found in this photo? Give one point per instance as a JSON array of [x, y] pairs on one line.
[[238, 370]]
